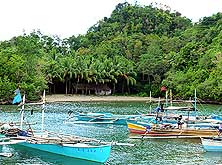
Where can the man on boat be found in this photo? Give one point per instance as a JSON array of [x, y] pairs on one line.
[[219, 129], [180, 122], [148, 129], [159, 114]]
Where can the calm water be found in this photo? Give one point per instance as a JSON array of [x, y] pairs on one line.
[[144, 152]]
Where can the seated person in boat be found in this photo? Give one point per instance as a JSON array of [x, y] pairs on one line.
[[148, 129], [154, 122]]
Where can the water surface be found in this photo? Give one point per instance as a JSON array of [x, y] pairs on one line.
[[144, 152]]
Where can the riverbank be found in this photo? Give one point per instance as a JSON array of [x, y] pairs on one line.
[[84, 98]]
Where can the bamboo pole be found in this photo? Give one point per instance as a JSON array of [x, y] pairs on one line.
[[171, 98], [195, 102], [43, 110], [22, 111], [166, 98], [150, 103]]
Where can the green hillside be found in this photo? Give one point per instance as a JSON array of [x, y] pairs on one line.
[[136, 50]]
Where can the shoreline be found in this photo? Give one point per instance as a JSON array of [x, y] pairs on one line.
[[92, 98]]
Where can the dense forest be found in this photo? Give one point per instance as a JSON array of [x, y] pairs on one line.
[[136, 50]]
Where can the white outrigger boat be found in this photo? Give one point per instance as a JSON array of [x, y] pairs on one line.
[[212, 144]]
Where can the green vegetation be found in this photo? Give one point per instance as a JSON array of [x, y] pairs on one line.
[[137, 50]]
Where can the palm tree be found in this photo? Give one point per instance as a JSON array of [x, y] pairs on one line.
[[66, 71], [125, 71]]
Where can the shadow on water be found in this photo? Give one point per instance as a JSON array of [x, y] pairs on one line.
[[32, 156]]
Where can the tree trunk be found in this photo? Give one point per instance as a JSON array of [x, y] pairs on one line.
[[66, 87], [123, 86], [50, 89], [54, 89], [128, 89], [86, 90], [69, 87], [114, 88]]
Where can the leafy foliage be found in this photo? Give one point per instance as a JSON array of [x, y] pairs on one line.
[[137, 50]]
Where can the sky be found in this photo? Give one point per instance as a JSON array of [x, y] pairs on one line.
[[65, 18]]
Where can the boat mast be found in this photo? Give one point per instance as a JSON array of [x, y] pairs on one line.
[[166, 98], [159, 102], [195, 102], [22, 113], [150, 103], [171, 98], [43, 107]]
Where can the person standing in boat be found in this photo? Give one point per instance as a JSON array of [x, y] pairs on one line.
[[159, 113], [180, 122], [219, 129]]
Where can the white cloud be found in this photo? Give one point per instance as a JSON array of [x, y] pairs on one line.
[[193, 9], [72, 17]]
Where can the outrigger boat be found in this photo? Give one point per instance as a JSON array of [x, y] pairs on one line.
[[71, 147], [165, 125], [76, 147], [212, 144], [95, 118], [167, 131]]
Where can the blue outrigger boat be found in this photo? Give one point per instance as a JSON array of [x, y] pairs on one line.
[[96, 118], [86, 149], [66, 145], [99, 153]]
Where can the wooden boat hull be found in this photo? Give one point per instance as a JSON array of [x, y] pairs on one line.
[[211, 144], [82, 151], [194, 132], [137, 128]]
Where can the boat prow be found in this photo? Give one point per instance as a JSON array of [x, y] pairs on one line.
[[6, 154], [213, 144]]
